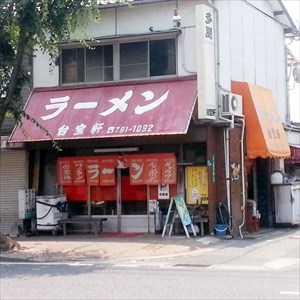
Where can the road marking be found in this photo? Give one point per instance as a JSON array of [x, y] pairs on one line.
[[166, 266], [191, 265], [236, 267], [289, 293], [295, 237], [73, 264], [281, 263], [125, 266]]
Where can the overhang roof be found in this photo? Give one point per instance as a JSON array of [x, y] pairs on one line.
[[124, 110]]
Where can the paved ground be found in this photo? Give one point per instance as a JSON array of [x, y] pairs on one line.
[[80, 247], [139, 247]]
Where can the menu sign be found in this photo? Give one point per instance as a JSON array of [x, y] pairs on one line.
[[182, 211], [196, 185]]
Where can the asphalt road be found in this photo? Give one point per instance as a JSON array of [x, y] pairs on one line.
[[267, 267], [145, 280]]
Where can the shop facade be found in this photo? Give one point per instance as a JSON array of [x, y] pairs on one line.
[[159, 109]]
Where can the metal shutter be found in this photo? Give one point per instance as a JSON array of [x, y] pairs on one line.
[[13, 176]]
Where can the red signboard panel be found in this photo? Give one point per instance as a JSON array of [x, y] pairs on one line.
[[136, 165], [92, 171], [65, 172], [144, 169], [109, 111], [78, 171], [169, 169], [152, 173], [107, 174]]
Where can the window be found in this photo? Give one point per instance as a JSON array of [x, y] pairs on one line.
[[162, 58], [147, 59], [141, 59], [99, 64], [87, 65], [73, 65], [134, 60]]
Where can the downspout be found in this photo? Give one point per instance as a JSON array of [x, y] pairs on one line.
[[287, 79], [227, 174], [242, 120], [226, 130]]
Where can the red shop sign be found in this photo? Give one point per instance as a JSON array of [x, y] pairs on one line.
[[152, 172], [64, 171], [92, 171], [168, 169], [107, 170], [79, 171]]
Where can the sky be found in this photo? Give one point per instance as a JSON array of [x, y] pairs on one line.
[[293, 8]]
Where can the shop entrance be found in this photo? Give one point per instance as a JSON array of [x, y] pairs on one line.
[[126, 196], [131, 199]]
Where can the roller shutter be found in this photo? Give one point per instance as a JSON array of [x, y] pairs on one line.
[[13, 176]]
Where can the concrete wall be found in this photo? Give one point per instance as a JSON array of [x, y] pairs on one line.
[[252, 48]]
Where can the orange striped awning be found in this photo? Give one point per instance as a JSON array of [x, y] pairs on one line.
[[265, 135]]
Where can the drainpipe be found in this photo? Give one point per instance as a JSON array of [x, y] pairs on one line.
[[227, 169], [226, 130], [227, 175], [287, 78], [242, 120]]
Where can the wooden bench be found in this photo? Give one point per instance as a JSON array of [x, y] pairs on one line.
[[95, 223], [195, 220], [200, 220]]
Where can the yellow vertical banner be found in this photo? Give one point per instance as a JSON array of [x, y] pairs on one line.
[[196, 185]]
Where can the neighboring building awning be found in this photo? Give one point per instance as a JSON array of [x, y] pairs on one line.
[[295, 155], [265, 135], [139, 109]]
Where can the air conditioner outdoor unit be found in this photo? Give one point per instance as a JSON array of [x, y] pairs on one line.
[[232, 104]]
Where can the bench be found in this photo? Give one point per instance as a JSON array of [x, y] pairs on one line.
[[95, 223], [195, 220], [200, 220]]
